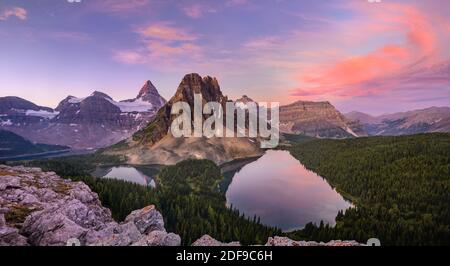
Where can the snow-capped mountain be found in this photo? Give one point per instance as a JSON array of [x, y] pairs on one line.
[[88, 122]]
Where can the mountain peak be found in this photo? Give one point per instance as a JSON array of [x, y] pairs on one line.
[[101, 94], [147, 89], [245, 99], [193, 83]]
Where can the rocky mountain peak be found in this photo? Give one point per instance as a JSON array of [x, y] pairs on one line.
[[193, 83], [244, 99], [147, 89]]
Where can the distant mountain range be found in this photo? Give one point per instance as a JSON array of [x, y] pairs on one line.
[[139, 127], [81, 123], [433, 119]]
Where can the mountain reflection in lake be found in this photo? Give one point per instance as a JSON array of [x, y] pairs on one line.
[[283, 193], [126, 173]]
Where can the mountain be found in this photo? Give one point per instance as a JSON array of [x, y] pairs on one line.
[[241, 102], [154, 144], [433, 119], [317, 119], [12, 144], [363, 118], [91, 122], [148, 95], [15, 110]]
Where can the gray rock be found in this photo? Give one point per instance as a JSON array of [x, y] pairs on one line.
[[146, 219], [159, 238], [208, 241], [284, 241], [45, 210]]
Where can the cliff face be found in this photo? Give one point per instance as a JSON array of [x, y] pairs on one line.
[[317, 119], [41, 209], [155, 144], [191, 84]]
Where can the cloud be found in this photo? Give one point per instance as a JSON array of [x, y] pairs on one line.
[[197, 10], [384, 68], [266, 42], [119, 6], [166, 31], [17, 12], [163, 44]]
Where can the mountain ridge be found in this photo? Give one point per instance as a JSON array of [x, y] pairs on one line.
[[426, 120], [90, 122]]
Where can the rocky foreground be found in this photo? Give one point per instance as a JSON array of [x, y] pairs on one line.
[[41, 209]]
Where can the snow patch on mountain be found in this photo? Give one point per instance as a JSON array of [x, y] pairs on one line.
[[135, 106], [41, 113]]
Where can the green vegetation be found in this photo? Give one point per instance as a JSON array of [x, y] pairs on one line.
[[78, 165], [296, 138], [187, 195], [18, 213], [400, 186], [12, 144], [192, 205]]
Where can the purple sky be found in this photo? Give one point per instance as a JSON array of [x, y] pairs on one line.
[[372, 57]]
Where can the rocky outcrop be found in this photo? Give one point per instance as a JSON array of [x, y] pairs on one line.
[[39, 208], [284, 241], [207, 240], [155, 144], [317, 119]]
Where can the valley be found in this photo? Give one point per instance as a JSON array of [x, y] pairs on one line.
[[396, 184]]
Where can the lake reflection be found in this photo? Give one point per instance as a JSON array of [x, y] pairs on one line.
[[283, 193], [126, 173]]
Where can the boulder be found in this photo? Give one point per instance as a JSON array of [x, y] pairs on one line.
[[41, 209], [208, 241]]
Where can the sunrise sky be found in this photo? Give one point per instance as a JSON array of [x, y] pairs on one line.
[[372, 57]]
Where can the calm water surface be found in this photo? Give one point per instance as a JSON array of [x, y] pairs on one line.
[[126, 173], [283, 193]]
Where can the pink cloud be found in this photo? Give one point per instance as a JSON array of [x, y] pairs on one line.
[[266, 42], [162, 43], [366, 74], [197, 10], [165, 31], [17, 12], [120, 6]]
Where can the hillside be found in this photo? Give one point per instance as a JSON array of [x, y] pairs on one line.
[[317, 119], [12, 144], [400, 186]]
